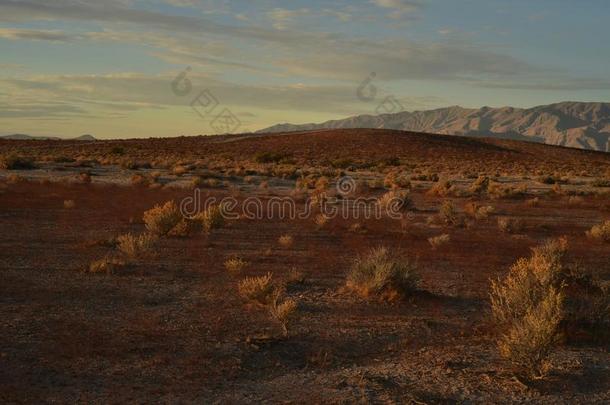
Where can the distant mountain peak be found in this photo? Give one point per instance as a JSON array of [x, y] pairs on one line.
[[24, 137], [570, 123]]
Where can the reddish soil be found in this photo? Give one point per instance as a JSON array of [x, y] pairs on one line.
[[437, 152], [174, 329]]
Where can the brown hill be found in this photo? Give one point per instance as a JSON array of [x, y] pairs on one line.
[[573, 124], [326, 147]]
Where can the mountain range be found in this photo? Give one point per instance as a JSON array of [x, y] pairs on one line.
[[24, 137], [573, 124]]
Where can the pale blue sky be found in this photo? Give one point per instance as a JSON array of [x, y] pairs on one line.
[[70, 67]]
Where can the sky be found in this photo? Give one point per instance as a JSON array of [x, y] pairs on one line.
[[136, 68]]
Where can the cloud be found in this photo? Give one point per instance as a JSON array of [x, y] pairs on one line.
[[37, 110], [282, 17], [400, 7], [547, 82], [33, 35], [117, 11], [130, 92], [404, 60]]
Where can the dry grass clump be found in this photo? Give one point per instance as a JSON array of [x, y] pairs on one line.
[[600, 183], [108, 265], [575, 201], [211, 218], [295, 277], [498, 191], [396, 201], [184, 228], [257, 289], [533, 202], [84, 178], [205, 181], [478, 212], [286, 241], [14, 179], [283, 311], [264, 292], [600, 232], [447, 215], [443, 188], [161, 219], [480, 185], [179, 170], [375, 184], [381, 275], [321, 220], [235, 265], [510, 225], [527, 306], [397, 180], [14, 162], [438, 241], [136, 246]]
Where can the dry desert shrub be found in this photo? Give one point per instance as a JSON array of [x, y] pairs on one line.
[[381, 275], [557, 190], [600, 183], [527, 306], [600, 232], [206, 182], [575, 201], [211, 218], [180, 170], [134, 247], [397, 180], [480, 185], [84, 178], [438, 241], [447, 215], [395, 200], [184, 228], [283, 311], [498, 191], [108, 265], [321, 220], [442, 188], [532, 338], [286, 241], [510, 225], [533, 202], [14, 179], [357, 227], [375, 184], [139, 180], [235, 265], [478, 212], [161, 219], [69, 204], [257, 289], [295, 277], [15, 162]]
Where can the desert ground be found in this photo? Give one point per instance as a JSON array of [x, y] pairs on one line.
[[85, 319]]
